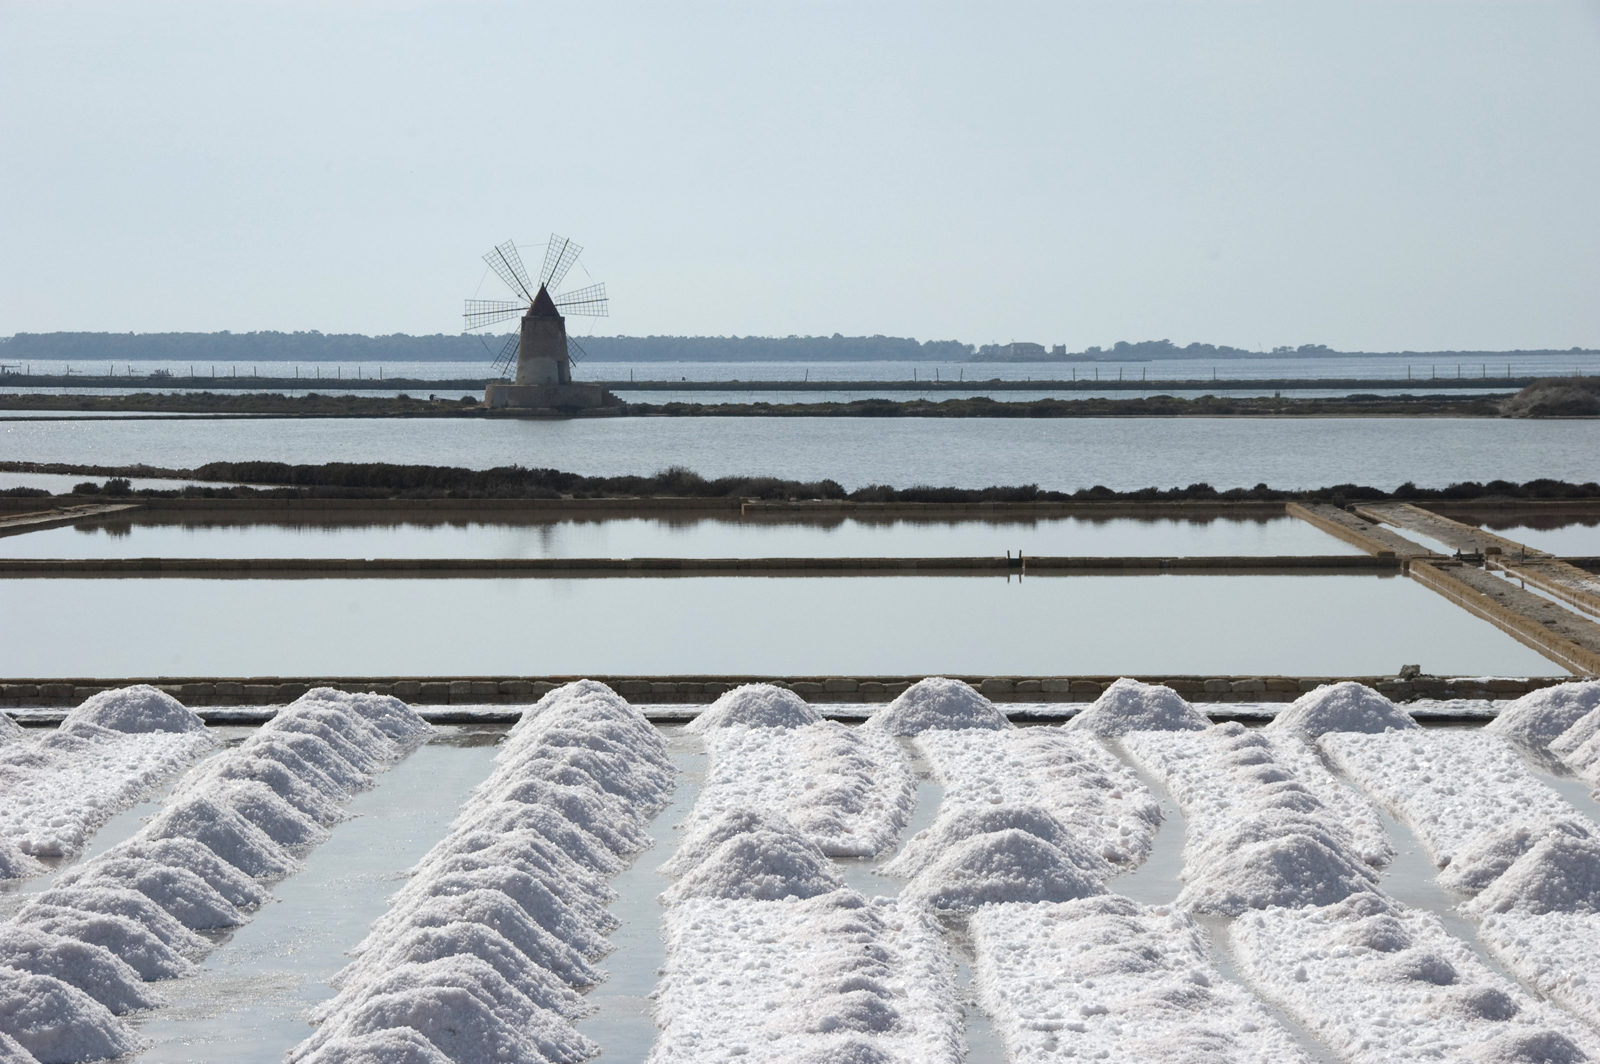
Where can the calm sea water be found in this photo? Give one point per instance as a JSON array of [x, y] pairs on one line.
[[1064, 454]]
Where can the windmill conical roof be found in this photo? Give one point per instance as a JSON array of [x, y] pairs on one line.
[[543, 305]]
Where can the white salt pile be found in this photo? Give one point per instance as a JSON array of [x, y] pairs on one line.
[[1558, 873], [93, 969], [1128, 705], [114, 747], [1341, 707], [957, 823], [14, 864], [830, 978], [57, 1023], [130, 913], [1466, 794], [850, 790], [758, 705], [998, 867], [937, 702], [1105, 978], [1069, 775], [10, 730], [1378, 982], [1257, 835], [759, 864], [481, 956], [1543, 717]]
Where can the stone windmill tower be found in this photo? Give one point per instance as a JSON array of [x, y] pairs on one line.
[[541, 352]]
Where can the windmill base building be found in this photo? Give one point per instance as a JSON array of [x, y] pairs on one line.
[[543, 384]]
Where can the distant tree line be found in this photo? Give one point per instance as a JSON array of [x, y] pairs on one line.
[[253, 347]]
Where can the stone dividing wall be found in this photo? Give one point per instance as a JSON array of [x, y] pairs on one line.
[[262, 690]]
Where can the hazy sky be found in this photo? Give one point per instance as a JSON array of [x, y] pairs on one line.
[[1365, 175]]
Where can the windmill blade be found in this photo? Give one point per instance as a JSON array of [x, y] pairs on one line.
[[507, 358], [506, 263], [575, 350], [481, 312], [588, 302], [559, 255]]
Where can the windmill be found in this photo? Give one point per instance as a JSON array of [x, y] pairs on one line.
[[540, 351]]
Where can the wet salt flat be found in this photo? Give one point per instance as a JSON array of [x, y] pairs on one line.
[[710, 537], [1058, 454], [1003, 916], [1207, 625]]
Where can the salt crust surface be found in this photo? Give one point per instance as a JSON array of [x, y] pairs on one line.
[[1106, 978], [1342, 707], [60, 787], [127, 914], [835, 977], [57, 1023], [849, 790], [938, 702], [1468, 796], [483, 951], [1379, 982], [11, 1051], [1543, 717], [1128, 705], [1258, 834], [10, 730], [759, 705], [1069, 775]]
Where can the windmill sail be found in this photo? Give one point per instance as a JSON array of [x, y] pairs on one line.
[[506, 361], [559, 255], [507, 265], [588, 302], [481, 312]]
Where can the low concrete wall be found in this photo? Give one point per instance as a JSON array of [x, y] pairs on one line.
[[484, 567], [478, 690]]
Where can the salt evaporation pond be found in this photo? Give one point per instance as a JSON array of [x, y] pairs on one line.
[[1059, 454], [689, 537], [991, 625]]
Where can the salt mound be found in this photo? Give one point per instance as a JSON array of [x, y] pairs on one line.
[[701, 841], [1527, 1047], [938, 702], [11, 1051], [307, 798], [311, 759], [1002, 866], [1128, 705], [93, 969], [57, 1023], [1342, 707], [187, 897], [1292, 871], [549, 822], [426, 944], [1560, 873], [760, 865], [759, 705], [1543, 715], [282, 822], [140, 708], [541, 905], [846, 1051], [229, 835], [239, 889], [386, 713], [522, 850], [10, 730], [393, 1045], [493, 909], [454, 1019], [14, 864], [581, 699], [134, 944], [1489, 854], [552, 1037], [97, 897], [305, 722], [638, 788], [959, 823]]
